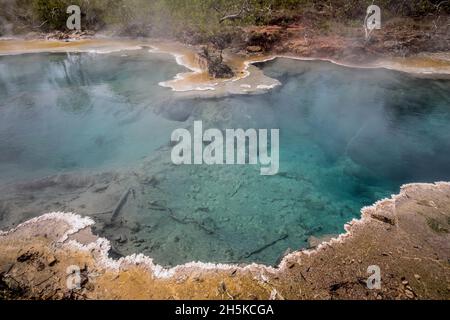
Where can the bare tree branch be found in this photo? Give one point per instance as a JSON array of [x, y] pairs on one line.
[[244, 9]]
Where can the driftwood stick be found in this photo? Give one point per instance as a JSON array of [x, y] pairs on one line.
[[116, 254], [266, 246], [100, 213], [236, 190], [157, 208], [45, 280], [120, 205]]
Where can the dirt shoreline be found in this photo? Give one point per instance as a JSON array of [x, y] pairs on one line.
[[407, 236]]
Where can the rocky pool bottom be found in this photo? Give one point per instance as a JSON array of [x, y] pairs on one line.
[[81, 132]]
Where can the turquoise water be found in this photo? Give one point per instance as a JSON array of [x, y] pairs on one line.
[[348, 137]]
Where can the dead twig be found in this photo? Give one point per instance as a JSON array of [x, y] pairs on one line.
[[101, 213], [236, 190]]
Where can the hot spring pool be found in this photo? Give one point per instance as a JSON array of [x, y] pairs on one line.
[[78, 130]]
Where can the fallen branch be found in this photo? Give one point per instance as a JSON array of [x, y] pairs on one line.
[[115, 253], [236, 190], [189, 221], [101, 213], [245, 8]]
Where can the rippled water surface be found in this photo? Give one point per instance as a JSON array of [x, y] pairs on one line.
[[79, 130]]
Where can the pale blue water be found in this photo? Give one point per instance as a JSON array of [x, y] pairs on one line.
[[348, 137], [71, 112]]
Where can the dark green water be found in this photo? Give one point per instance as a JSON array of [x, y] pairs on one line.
[[348, 137]]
